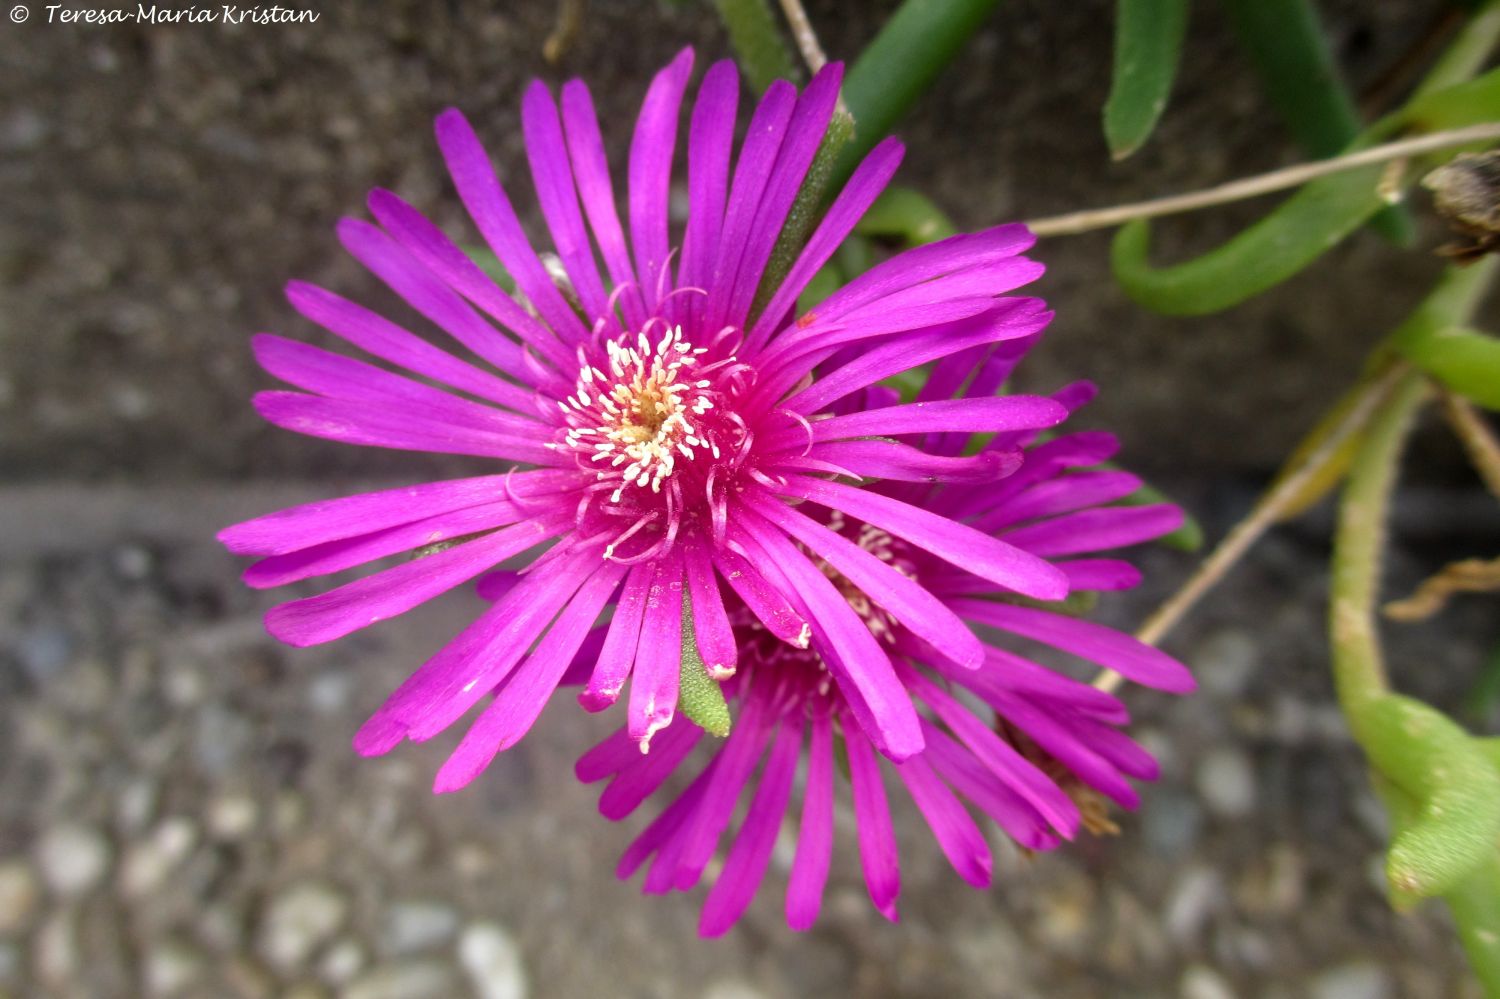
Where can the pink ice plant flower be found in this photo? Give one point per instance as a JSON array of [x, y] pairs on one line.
[[651, 432], [983, 747]]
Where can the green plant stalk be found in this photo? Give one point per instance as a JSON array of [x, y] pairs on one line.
[[1358, 667], [1434, 337], [699, 696], [1289, 50], [1148, 43], [1467, 53], [757, 41], [904, 59]]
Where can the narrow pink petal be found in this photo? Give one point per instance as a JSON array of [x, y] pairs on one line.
[[962, 842], [1063, 746], [710, 138], [885, 459], [805, 131], [904, 598], [715, 638], [607, 758], [334, 375], [658, 658], [427, 243], [953, 542], [746, 864], [1104, 646], [1020, 774], [645, 772], [735, 762], [386, 594], [547, 154], [1100, 574], [1097, 529], [1062, 495], [859, 664], [877, 840], [766, 601], [872, 176], [382, 338], [1007, 412], [591, 174], [1011, 318], [667, 830], [651, 150], [491, 210], [519, 703], [804, 893], [619, 652], [1020, 820], [419, 288], [351, 516], [469, 667], [377, 425], [336, 556], [923, 263], [752, 171]]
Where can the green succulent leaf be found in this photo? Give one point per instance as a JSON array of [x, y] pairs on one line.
[[1148, 43], [1456, 822], [906, 56], [757, 41], [698, 695], [906, 214]]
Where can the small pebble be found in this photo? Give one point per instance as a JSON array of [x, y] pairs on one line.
[[1202, 982], [410, 927], [343, 961], [149, 862], [73, 858], [413, 980], [298, 921], [493, 962], [171, 967], [232, 816], [1225, 780], [1356, 980], [1225, 663], [1195, 894]]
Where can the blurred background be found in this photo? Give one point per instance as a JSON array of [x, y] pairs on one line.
[[180, 811]]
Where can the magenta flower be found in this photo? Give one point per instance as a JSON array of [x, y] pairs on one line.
[[1039, 734], [670, 426]]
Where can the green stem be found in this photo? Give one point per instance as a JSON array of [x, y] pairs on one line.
[[1358, 668], [915, 45]]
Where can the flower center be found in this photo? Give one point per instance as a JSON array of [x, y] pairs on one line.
[[643, 412]]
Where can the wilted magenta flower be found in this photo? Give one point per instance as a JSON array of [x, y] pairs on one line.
[[671, 425], [1039, 734]]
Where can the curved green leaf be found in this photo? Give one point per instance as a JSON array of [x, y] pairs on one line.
[[1466, 361], [1148, 42], [1435, 340], [1299, 231]]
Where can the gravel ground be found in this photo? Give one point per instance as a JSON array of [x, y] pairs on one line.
[[181, 814]]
